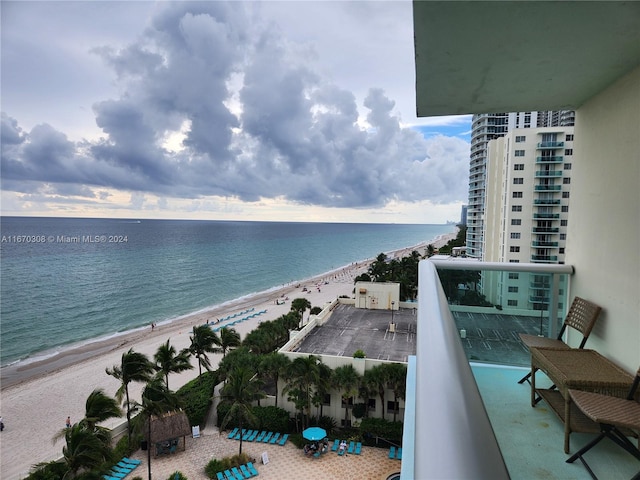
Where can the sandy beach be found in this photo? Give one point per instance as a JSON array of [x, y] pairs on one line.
[[36, 398]]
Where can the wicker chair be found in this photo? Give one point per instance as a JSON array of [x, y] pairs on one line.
[[582, 316], [613, 414]]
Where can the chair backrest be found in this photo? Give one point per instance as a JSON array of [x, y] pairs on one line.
[[634, 387], [582, 316]]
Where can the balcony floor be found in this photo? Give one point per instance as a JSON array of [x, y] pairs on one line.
[[532, 439]]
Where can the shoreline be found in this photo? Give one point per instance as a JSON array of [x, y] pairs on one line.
[[38, 397]]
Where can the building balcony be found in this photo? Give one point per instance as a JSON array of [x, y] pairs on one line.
[[546, 201], [545, 230], [546, 215], [463, 384], [548, 173], [544, 244], [554, 159], [548, 188], [543, 145], [544, 258]]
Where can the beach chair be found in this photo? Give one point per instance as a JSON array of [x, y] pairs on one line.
[[252, 469], [247, 434], [392, 452], [253, 436], [133, 461], [240, 434], [274, 439], [261, 436], [118, 469], [245, 471], [220, 476], [283, 440], [233, 433], [334, 448], [352, 446], [115, 474], [229, 475], [108, 477], [237, 473], [358, 448], [399, 453], [125, 465], [317, 454], [267, 437]]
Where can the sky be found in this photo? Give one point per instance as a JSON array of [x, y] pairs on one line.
[[284, 111]]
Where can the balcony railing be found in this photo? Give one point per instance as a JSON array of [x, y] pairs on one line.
[[548, 188], [548, 173], [550, 144], [545, 230], [546, 215], [544, 244], [546, 201], [447, 399], [553, 159]]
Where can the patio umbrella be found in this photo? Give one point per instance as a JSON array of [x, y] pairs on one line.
[[314, 433]]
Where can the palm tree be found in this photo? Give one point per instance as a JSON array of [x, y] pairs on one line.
[[241, 390], [84, 451], [298, 306], [98, 408], [323, 385], [376, 380], [302, 376], [203, 341], [168, 361], [347, 380], [157, 400], [134, 367], [274, 365], [398, 383], [229, 338]]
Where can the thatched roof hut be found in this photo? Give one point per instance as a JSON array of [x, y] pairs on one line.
[[168, 428]]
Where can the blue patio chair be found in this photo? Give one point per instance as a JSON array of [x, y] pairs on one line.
[[274, 439], [133, 461], [115, 474], [334, 448], [125, 465], [245, 471], [267, 437], [399, 454], [237, 473], [358, 448], [233, 433], [229, 475], [220, 476], [352, 446], [261, 436], [392, 452], [252, 469], [284, 439], [125, 471], [107, 477]]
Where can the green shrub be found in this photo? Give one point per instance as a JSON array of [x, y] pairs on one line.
[[47, 471], [272, 419], [298, 440], [214, 466], [197, 396], [359, 354], [377, 427], [177, 476]]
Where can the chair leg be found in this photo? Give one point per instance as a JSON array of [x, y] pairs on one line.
[[525, 378]]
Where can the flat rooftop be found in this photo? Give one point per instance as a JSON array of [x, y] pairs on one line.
[[349, 329]]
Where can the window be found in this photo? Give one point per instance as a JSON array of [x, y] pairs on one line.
[[514, 249], [518, 166], [516, 208], [517, 194], [568, 151], [565, 194], [510, 303], [513, 289], [390, 406], [566, 181], [520, 138], [326, 399], [515, 235], [564, 223], [569, 137], [516, 221], [350, 402], [567, 166], [518, 181], [514, 275], [563, 236], [519, 153], [371, 404], [561, 250], [564, 208], [514, 261]]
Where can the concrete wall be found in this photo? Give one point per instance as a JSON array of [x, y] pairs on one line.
[[603, 237], [377, 295]]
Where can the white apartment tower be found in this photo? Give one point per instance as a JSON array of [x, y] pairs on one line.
[[527, 191], [486, 127]]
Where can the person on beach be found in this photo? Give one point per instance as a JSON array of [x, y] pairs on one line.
[[68, 422], [1, 424]]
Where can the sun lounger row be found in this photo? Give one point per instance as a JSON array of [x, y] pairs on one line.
[[245, 471], [395, 453], [354, 447], [121, 469], [240, 320], [258, 436]]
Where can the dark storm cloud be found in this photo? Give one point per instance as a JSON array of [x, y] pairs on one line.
[[259, 123]]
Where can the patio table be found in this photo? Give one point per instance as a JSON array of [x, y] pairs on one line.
[[577, 369]]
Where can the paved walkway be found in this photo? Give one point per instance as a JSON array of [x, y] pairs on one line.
[[285, 463]]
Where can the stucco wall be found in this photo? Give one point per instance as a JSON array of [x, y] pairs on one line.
[[603, 236]]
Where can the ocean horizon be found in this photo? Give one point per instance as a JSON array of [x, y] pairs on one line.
[[69, 281]]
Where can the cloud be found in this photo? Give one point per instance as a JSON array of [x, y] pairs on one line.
[[254, 119]]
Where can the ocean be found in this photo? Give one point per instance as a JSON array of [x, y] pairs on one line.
[[65, 281]]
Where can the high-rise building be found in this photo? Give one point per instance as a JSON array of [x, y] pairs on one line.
[[527, 191], [484, 128]]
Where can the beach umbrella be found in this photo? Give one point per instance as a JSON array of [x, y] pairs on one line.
[[314, 433]]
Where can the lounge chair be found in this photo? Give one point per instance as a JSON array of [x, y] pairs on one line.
[[614, 415], [233, 433], [283, 440], [275, 437], [109, 477], [358, 448], [229, 475], [239, 434], [267, 437], [245, 471], [220, 476], [352, 446], [133, 461], [237, 473], [399, 453], [252, 469], [247, 434], [392, 452], [582, 316], [123, 470], [334, 448], [125, 465], [261, 436], [117, 474]]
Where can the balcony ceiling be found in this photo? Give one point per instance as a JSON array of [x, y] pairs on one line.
[[508, 56]]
